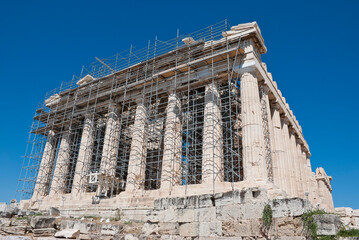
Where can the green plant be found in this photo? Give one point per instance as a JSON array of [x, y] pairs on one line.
[[309, 224], [267, 216], [348, 233], [128, 222]]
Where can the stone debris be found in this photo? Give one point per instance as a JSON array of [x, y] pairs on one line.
[[42, 222], [68, 233], [54, 212]]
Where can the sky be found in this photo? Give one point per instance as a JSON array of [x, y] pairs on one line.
[[312, 54]]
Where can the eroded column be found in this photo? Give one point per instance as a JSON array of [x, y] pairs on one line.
[[136, 166], [84, 156], [46, 166], [295, 165], [171, 164], [288, 163], [110, 144], [254, 164], [302, 166], [58, 184], [212, 164], [279, 156]]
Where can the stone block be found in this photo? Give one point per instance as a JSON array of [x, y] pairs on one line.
[[7, 211], [44, 232], [13, 230], [67, 224], [189, 229], [289, 207], [207, 229], [87, 227], [205, 214], [15, 238], [328, 224], [284, 226], [169, 215], [185, 215], [5, 222], [229, 212], [252, 210], [344, 211], [355, 213], [54, 212], [19, 222], [111, 229], [346, 221], [255, 227], [68, 233], [236, 228], [130, 237], [148, 229], [168, 228], [355, 222], [42, 222]]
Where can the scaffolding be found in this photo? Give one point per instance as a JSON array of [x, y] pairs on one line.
[[81, 116]]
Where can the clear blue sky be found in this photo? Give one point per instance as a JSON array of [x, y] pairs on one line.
[[312, 54]]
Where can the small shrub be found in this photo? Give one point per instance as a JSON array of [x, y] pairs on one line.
[[267, 216], [309, 224], [128, 222]]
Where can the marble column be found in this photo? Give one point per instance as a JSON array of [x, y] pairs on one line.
[[279, 156], [254, 164], [46, 166], [61, 171], [84, 156], [302, 165], [295, 163], [212, 164], [268, 131], [110, 144], [171, 164], [136, 165], [288, 163]]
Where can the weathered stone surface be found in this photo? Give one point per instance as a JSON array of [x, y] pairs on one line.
[[42, 222], [7, 211], [14, 230], [229, 212], [87, 227], [344, 211], [68, 233], [168, 228], [15, 238], [111, 229], [54, 212], [19, 222], [289, 207], [205, 214], [355, 213], [252, 210], [42, 232], [189, 229], [184, 215], [328, 224], [149, 229], [236, 228], [130, 237], [207, 229], [5, 222]]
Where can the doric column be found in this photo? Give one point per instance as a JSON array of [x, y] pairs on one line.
[[295, 165], [212, 164], [136, 165], [268, 130], [288, 164], [84, 156], [58, 183], [171, 164], [279, 156], [303, 168], [46, 166], [254, 164], [110, 144]]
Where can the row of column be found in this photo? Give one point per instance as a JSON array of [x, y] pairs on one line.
[[290, 163]]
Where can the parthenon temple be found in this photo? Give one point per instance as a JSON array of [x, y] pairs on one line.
[[198, 114]]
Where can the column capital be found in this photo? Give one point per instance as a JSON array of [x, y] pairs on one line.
[[275, 106]]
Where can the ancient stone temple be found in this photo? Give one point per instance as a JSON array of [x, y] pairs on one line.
[[196, 115]]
